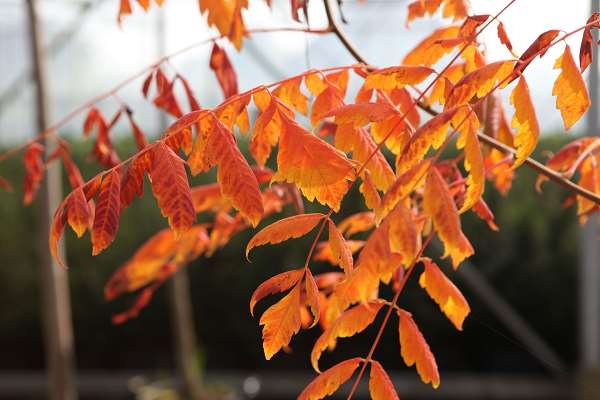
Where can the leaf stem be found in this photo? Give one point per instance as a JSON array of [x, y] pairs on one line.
[[388, 313]]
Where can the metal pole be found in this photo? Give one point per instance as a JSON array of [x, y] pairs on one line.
[[55, 287], [589, 276], [178, 292]]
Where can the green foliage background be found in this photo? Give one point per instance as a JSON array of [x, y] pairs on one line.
[[532, 262]]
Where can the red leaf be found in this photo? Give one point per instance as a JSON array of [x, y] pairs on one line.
[[219, 62], [108, 210], [34, 171], [171, 188], [587, 41]]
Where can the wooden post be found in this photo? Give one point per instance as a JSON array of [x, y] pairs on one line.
[[178, 292], [589, 276], [58, 329]]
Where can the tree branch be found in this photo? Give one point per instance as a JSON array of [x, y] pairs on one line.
[[490, 141]]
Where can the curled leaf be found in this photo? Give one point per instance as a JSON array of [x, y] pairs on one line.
[[276, 284]]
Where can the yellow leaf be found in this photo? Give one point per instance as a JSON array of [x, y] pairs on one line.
[[525, 121], [569, 88], [444, 293]]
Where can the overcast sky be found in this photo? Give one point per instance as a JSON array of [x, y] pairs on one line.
[[101, 54]]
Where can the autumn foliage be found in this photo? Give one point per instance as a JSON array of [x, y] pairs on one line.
[[407, 203]]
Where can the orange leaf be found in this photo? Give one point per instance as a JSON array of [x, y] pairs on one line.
[[215, 145], [108, 210], [444, 293], [356, 223], [78, 212], [290, 94], [124, 9], [319, 170], [361, 114], [404, 236], [171, 188], [329, 381], [503, 36], [359, 142], [284, 229], [404, 184], [397, 77], [276, 284], [483, 211], [342, 253], [280, 322], [147, 263], [525, 121], [369, 192], [328, 100], [479, 83], [324, 252], [468, 125], [569, 88], [351, 322], [265, 133], [226, 16], [431, 134], [380, 384], [415, 350], [440, 207], [220, 64], [429, 50], [312, 297]]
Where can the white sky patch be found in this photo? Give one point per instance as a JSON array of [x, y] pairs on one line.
[[102, 54]]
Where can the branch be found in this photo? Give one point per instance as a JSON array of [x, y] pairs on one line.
[[490, 141], [51, 130]]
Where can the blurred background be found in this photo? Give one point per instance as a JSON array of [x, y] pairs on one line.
[[533, 332]]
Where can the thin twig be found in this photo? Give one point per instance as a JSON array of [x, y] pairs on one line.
[[52, 129]]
